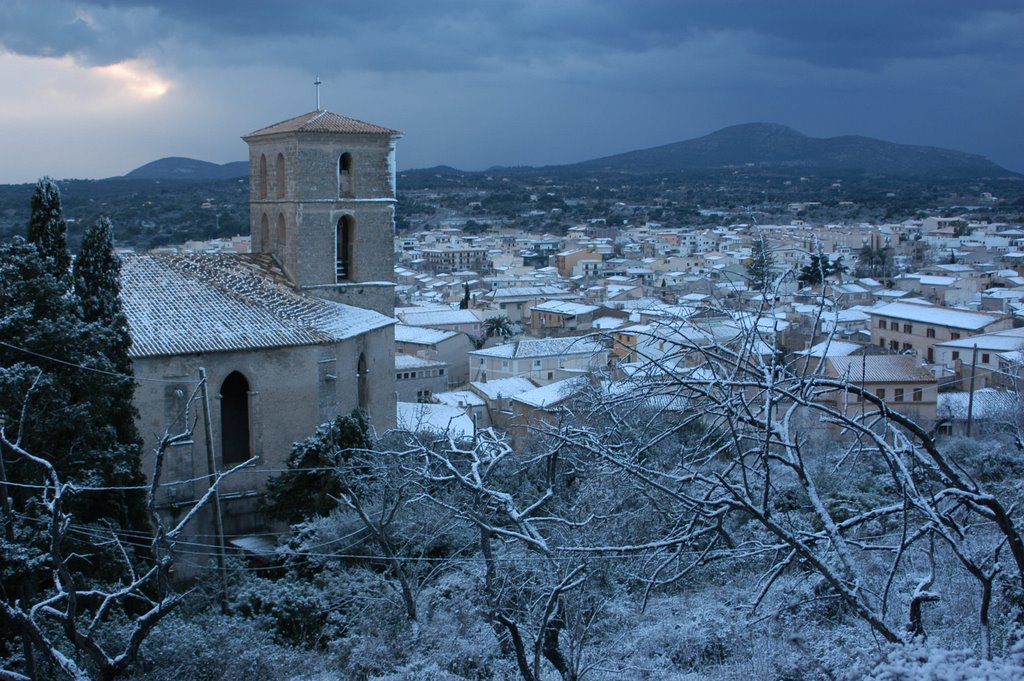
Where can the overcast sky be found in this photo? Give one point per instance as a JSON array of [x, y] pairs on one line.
[[94, 88]]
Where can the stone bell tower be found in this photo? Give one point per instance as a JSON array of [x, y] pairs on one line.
[[322, 202]]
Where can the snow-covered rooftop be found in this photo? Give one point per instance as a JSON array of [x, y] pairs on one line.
[[403, 361], [503, 387], [421, 335], [942, 316], [437, 418], [543, 347], [553, 393], [189, 303]]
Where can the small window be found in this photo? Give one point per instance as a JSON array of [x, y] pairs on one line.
[[984, 358], [956, 355], [881, 323], [551, 374], [907, 347], [880, 392], [898, 395], [345, 174], [481, 360], [930, 333], [440, 372], [894, 345], [895, 326], [953, 335], [536, 362], [918, 394], [881, 342], [907, 328]]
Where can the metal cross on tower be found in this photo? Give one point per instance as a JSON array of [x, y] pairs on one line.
[[317, 83]]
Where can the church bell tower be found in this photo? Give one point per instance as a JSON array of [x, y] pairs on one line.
[[322, 202]]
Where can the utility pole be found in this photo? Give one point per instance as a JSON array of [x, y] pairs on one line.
[[218, 524], [970, 397]]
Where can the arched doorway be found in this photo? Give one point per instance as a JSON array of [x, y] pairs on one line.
[[235, 431]]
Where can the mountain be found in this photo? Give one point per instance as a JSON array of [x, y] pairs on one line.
[[770, 146], [178, 168]]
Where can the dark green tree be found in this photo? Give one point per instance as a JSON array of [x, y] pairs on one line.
[[819, 269], [61, 391], [48, 230], [97, 281], [310, 487], [874, 262], [464, 303], [759, 269]]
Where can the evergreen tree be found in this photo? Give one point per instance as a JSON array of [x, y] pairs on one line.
[[759, 269], [819, 269], [48, 230], [78, 412], [309, 489], [97, 279]]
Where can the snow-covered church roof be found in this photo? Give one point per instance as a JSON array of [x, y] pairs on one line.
[[189, 303]]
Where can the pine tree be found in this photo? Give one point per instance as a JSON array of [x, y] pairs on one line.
[[48, 230], [759, 270], [819, 269], [97, 277]]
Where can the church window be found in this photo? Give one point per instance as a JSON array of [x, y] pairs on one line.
[[236, 434], [280, 235], [264, 233], [263, 176], [279, 179], [362, 386], [344, 246], [345, 175]]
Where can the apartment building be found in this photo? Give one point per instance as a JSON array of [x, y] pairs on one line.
[[914, 328]]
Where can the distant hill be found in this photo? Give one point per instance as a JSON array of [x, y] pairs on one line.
[[178, 168], [770, 146]]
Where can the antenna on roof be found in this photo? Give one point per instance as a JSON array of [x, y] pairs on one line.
[[317, 83]]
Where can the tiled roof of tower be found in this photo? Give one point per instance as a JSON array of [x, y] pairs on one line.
[[323, 121], [190, 303]]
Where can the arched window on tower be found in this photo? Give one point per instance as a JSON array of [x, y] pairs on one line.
[[263, 176], [362, 383], [345, 186], [345, 245], [280, 236], [279, 178], [265, 234], [235, 433]]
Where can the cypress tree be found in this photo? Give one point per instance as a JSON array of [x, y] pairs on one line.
[[97, 281], [48, 230]]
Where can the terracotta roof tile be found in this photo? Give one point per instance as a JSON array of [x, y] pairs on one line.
[[324, 122]]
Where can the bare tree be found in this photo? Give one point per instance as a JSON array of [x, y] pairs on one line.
[[511, 503], [743, 456], [78, 608]]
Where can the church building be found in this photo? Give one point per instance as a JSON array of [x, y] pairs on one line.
[[290, 335]]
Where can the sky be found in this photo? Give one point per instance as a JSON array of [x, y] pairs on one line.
[[95, 88]]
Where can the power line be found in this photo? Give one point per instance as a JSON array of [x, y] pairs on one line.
[[86, 368]]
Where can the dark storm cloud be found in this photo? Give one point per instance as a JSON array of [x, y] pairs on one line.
[[442, 35]]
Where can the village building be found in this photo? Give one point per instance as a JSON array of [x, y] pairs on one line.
[[543, 361], [909, 327]]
